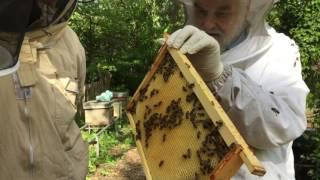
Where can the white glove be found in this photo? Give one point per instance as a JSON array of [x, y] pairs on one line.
[[202, 49]]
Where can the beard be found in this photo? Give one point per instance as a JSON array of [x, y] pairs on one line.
[[228, 38], [225, 37]]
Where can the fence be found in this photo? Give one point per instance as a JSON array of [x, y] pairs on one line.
[[91, 91], [95, 88]]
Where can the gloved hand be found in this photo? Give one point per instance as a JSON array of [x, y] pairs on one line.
[[202, 50]]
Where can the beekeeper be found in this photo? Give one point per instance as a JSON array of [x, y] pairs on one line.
[[39, 138], [256, 72]]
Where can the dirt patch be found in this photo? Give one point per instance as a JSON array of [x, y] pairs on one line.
[[129, 168]]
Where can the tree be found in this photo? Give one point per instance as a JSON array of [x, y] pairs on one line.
[[120, 36]]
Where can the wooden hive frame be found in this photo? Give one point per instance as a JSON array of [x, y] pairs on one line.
[[239, 152]]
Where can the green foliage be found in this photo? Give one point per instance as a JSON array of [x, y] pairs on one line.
[[120, 36], [300, 19], [115, 137]]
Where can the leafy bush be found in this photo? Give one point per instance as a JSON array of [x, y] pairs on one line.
[[120, 36]]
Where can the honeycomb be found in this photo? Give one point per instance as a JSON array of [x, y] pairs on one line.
[[179, 139], [175, 136]]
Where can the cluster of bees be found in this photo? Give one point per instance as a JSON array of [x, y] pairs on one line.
[[212, 145]]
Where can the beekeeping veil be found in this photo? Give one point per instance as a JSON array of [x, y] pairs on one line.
[[257, 41], [14, 18], [50, 12], [17, 17]]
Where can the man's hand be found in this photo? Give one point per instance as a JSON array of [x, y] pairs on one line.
[[202, 49]]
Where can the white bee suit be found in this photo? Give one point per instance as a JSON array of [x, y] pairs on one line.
[[264, 93], [265, 96]]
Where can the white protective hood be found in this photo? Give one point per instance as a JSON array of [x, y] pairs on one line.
[[258, 40], [266, 74]]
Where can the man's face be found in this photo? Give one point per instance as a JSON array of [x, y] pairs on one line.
[[222, 19]]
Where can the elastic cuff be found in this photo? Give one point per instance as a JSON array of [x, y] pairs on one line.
[[218, 83]]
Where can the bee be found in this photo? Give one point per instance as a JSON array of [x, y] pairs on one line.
[[164, 138], [191, 85], [152, 93], [198, 154], [184, 89], [194, 124], [153, 77], [219, 124], [179, 100], [190, 98], [211, 152], [187, 115], [203, 150], [161, 163], [184, 156], [166, 77], [138, 135], [198, 134], [203, 171], [189, 153], [138, 123], [158, 104], [219, 99], [275, 110], [133, 108], [181, 75], [196, 176]]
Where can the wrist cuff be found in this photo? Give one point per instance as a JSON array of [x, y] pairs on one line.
[[218, 83]]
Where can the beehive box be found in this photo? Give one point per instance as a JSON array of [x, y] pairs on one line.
[[98, 113], [181, 131], [119, 102]]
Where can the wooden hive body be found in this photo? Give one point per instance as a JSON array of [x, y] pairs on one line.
[[181, 130]]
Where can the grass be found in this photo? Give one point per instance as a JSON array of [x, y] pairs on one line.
[[116, 140]]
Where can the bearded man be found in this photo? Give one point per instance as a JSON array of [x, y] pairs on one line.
[[256, 72]]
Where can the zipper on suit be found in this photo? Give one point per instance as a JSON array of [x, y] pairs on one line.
[[28, 121], [23, 94]]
